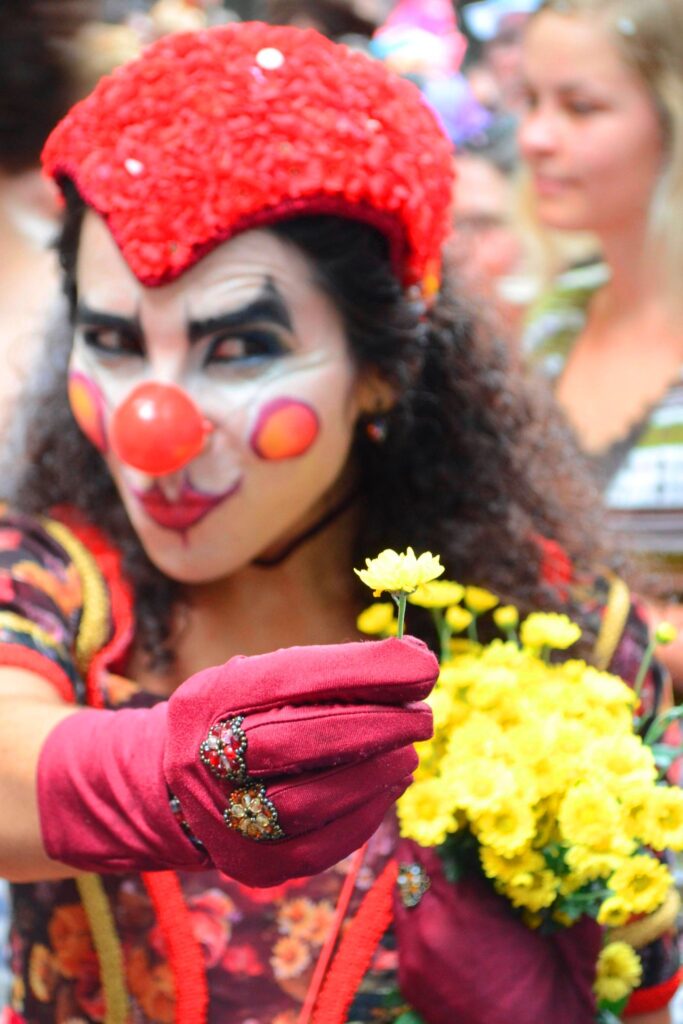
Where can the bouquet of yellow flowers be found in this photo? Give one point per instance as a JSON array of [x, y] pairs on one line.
[[537, 772]]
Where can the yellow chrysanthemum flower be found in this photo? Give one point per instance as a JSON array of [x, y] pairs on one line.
[[477, 737], [399, 572], [535, 891], [490, 688], [508, 829], [569, 884], [636, 816], [621, 762], [613, 913], [588, 866], [536, 760], [378, 619], [425, 814], [458, 618], [641, 883], [455, 674], [479, 600], [480, 784], [443, 708], [506, 617], [665, 819], [437, 594], [589, 816], [603, 690], [619, 971], [548, 629], [527, 861]]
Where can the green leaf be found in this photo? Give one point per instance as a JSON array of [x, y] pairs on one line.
[[614, 1010], [665, 755], [589, 896], [411, 1017], [661, 724], [572, 910], [452, 871], [554, 858]]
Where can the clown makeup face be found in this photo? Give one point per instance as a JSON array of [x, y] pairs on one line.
[[249, 340]]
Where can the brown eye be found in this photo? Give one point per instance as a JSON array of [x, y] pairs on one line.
[[110, 341], [249, 347], [226, 349]]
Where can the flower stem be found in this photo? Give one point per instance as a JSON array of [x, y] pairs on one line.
[[400, 599], [444, 632], [472, 630], [644, 666]]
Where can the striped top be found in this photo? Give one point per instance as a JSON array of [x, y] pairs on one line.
[[642, 473]]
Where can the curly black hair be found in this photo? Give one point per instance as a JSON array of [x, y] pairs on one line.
[[477, 464]]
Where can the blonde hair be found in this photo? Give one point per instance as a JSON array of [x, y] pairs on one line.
[[649, 36]]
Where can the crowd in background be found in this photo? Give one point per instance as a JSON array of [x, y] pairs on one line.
[[568, 141]]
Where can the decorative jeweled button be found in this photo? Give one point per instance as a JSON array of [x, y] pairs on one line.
[[253, 815], [224, 750], [413, 882]]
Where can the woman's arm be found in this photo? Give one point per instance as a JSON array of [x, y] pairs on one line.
[[30, 708], [322, 737]]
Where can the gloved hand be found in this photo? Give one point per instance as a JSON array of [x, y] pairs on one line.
[[465, 956], [282, 764]]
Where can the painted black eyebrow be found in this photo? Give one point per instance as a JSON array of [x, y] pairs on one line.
[[129, 327], [268, 306]]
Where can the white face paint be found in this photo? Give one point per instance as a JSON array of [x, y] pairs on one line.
[[262, 352]]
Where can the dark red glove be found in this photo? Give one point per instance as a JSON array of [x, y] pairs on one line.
[[464, 956], [282, 763]]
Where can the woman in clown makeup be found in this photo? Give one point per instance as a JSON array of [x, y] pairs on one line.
[[263, 379]]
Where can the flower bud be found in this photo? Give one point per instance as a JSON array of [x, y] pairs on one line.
[[665, 633]]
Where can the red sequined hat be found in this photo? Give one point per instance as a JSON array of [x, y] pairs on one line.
[[210, 133]]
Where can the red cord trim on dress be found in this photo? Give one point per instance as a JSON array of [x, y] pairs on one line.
[[16, 656], [333, 934], [655, 997], [185, 956], [356, 949]]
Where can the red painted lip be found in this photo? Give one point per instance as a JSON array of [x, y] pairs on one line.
[[190, 507]]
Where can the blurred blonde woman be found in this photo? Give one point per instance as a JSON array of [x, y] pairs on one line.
[[602, 136]]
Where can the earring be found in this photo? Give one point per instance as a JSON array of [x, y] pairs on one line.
[[376, 429]]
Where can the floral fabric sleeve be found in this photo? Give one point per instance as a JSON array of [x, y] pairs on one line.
[[41, 602]]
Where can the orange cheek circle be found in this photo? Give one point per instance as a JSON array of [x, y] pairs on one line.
[[87, 406], [285, 428]]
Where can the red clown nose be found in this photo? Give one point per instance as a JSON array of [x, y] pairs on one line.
[[158, 429]]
